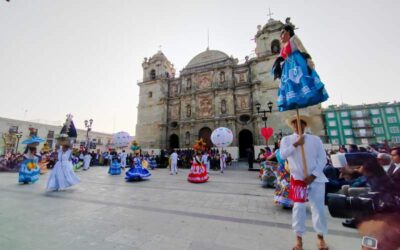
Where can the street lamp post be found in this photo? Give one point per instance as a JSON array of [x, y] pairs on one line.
[[88, 126], [18, 135], [264, 112]]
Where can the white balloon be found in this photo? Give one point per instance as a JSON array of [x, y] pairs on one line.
[[222, 137], [121, 139]]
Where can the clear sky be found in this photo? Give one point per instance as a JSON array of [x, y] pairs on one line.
[[84, 56]]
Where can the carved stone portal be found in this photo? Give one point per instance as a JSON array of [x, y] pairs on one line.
[[205, 106], [242, 101], [204, 80], [175, 112]]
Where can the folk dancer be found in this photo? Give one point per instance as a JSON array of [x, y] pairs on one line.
[[174, 163]]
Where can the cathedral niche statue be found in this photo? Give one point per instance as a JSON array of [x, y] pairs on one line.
[[187, 138], [241, 77], [189, 84], [222, 77], [188, 111], [223, 107]]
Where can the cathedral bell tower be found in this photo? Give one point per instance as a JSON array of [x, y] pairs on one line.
[[268, 38], [158, 71], [157, 67]]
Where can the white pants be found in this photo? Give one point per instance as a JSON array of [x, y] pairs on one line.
[[316, 197], [123, 163], [208, 167], [86, 164], [174, 167], [222, 164]]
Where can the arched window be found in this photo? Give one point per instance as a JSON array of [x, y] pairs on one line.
[[222, 77], [150, 94], [188, 111], [223, 107], [275, 47], [189, 84], [153, 74], [166, 74]]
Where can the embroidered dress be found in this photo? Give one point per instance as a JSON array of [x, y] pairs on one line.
[[29, 170], [62, 175], [43, 164], [283, 184], [268, 178], [115, 168], [76, 163], [300, 85], [137, 172], [152, 162], [198, 172]]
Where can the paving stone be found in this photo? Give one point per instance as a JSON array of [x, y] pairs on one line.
[[230, 212]]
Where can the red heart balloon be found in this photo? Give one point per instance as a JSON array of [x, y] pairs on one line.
[[267, 133]]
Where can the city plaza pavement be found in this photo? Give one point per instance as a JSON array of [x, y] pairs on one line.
[[229, 212]]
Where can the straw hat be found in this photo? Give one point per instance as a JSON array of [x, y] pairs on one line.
[[304, 118]]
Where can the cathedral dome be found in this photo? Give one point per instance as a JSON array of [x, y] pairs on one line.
[[207, 57]]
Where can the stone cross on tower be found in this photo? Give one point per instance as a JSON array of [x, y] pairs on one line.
[[270, 14], [159, 47]]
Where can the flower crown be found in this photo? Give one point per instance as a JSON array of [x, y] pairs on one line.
[[200, 145]]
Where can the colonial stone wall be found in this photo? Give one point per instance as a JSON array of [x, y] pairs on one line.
[[47, 132]]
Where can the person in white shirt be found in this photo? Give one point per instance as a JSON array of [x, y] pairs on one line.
[[174, 163], [123, 157], [222, 161], [315, 179], [86, 161], [385, 161], [205, 160]]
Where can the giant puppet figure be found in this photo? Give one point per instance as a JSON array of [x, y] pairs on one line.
[[299, 88]]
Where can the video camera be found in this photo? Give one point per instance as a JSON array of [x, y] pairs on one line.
[[342, 206]]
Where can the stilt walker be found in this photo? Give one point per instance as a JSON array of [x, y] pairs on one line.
[[301, 87]]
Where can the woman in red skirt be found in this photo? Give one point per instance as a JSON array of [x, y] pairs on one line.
[[198, 172]]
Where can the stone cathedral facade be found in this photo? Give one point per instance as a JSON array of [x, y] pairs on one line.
[[213, 90]]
